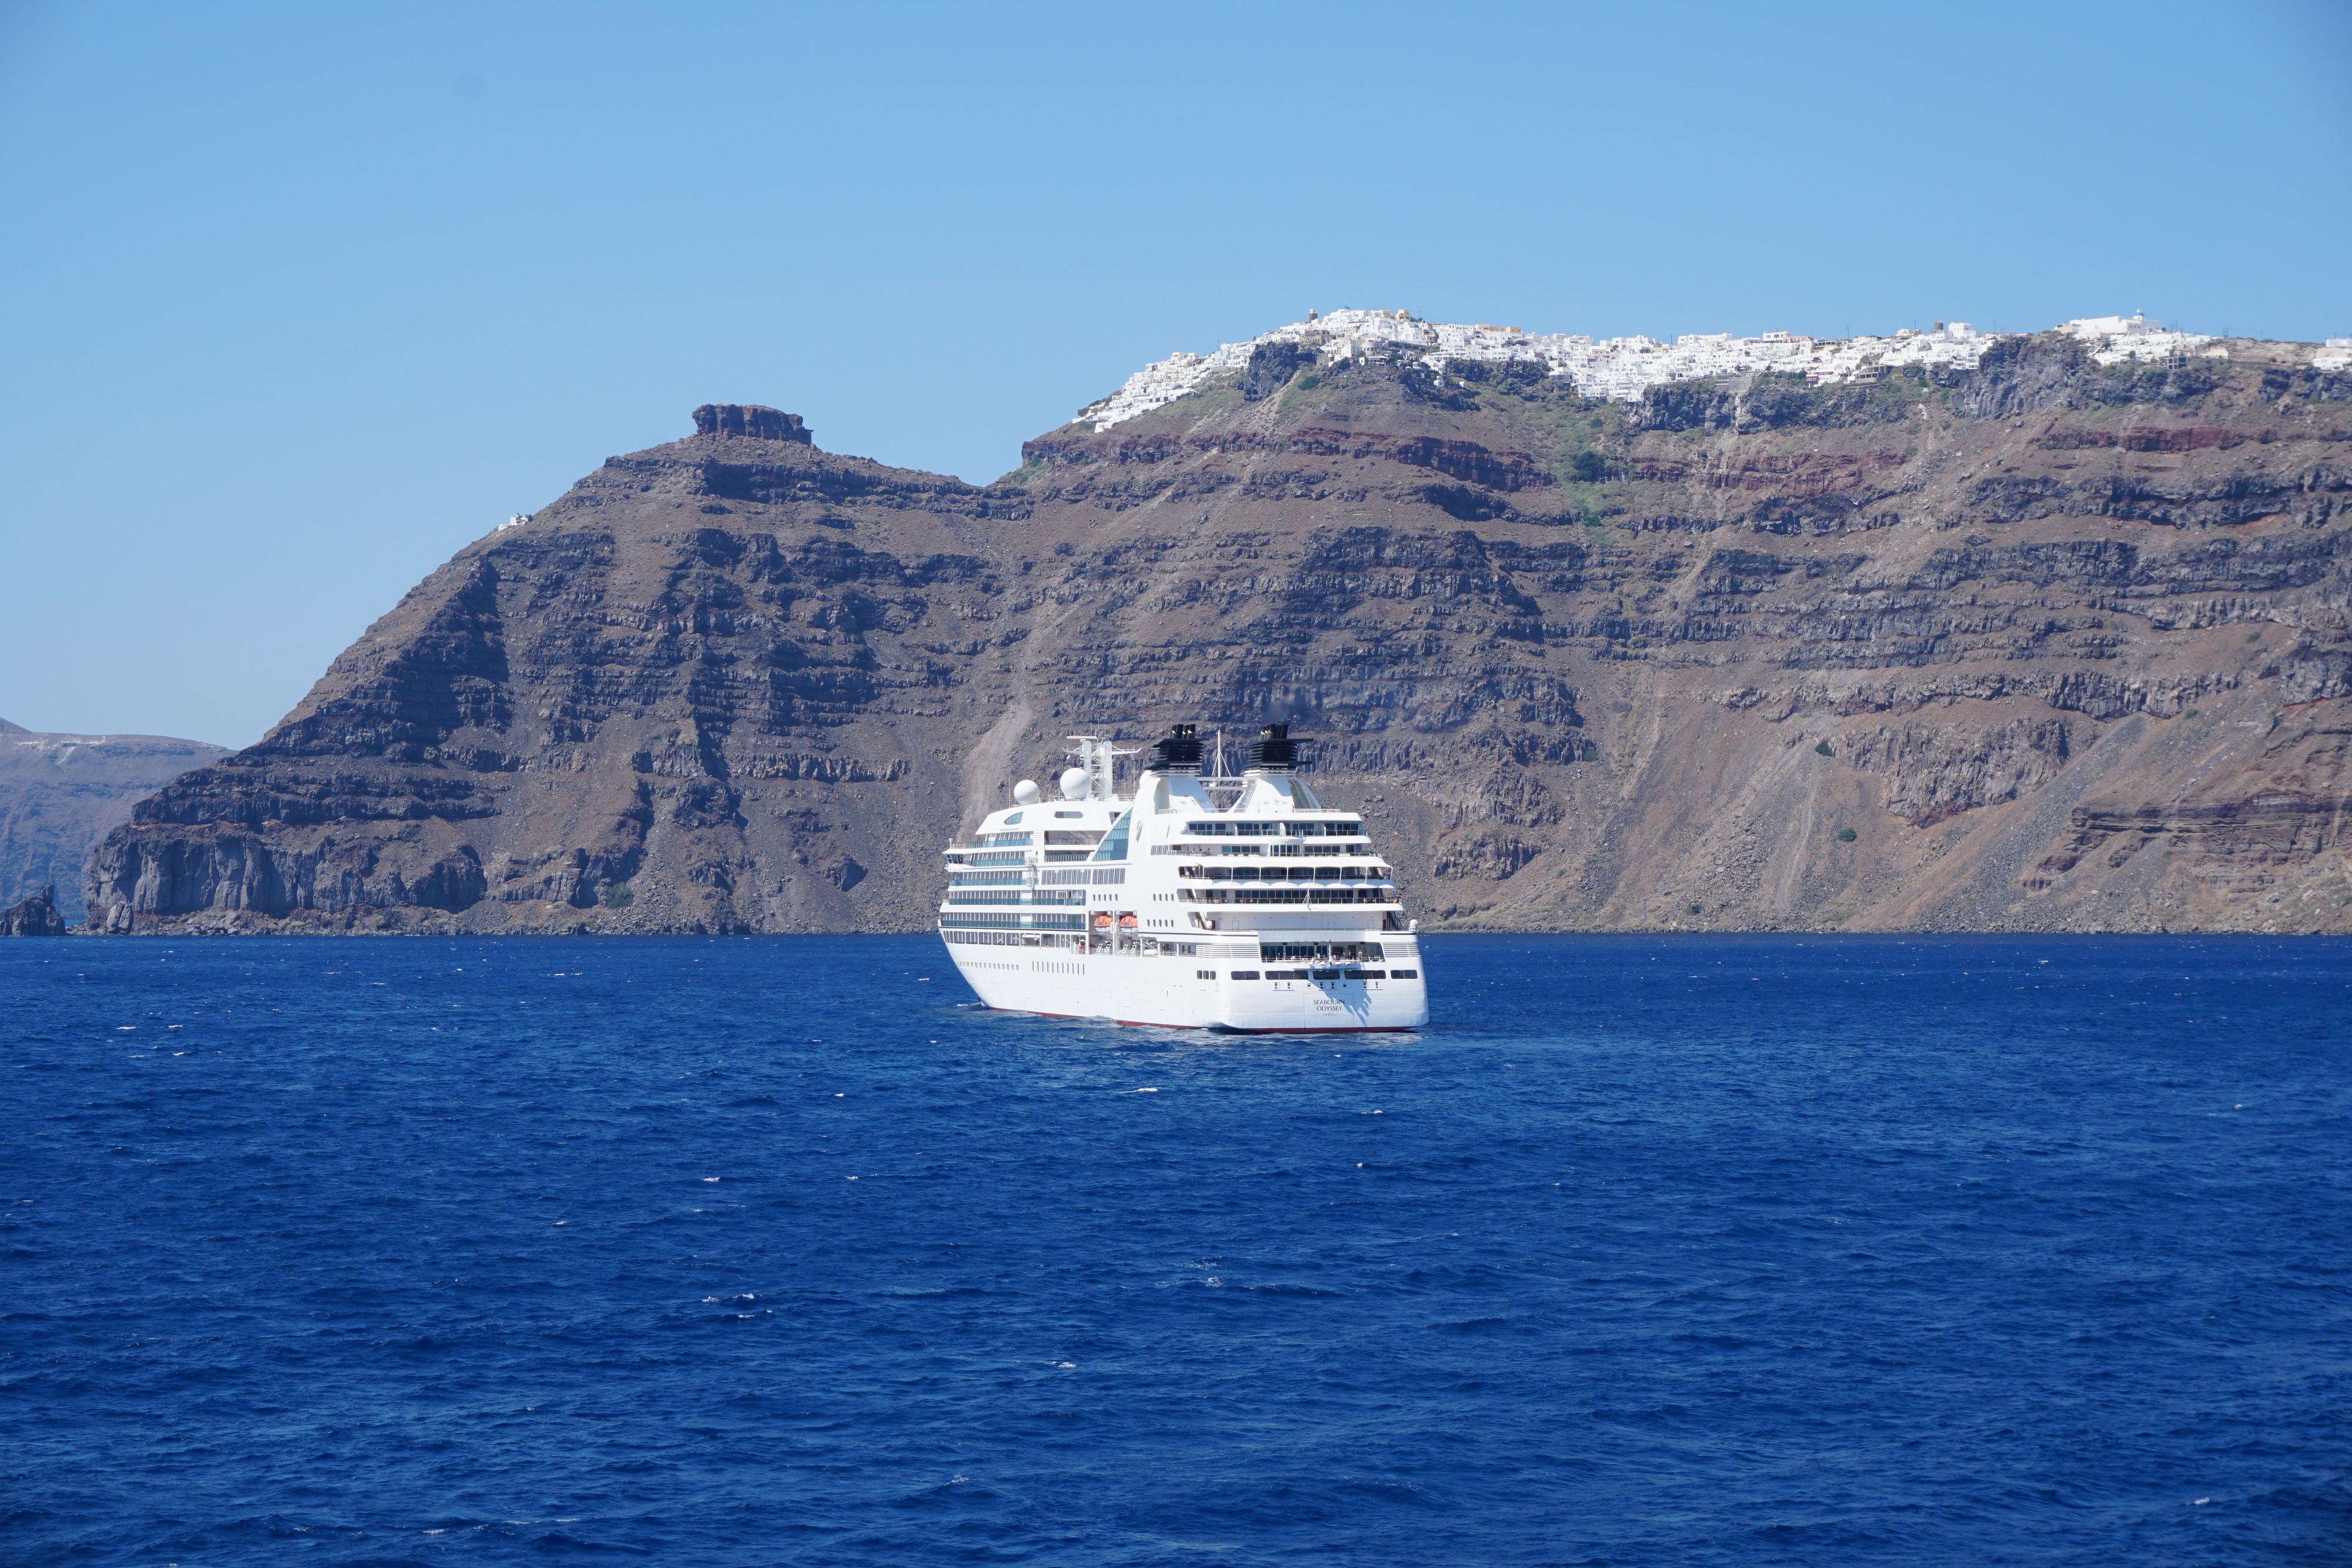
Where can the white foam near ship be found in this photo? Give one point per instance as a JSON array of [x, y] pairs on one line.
[[1197, 901]]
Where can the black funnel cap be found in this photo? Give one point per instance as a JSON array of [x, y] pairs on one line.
[[1179, 751], [1273, 748]]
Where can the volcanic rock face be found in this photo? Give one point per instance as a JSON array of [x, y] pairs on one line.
[[34, 916], [2061, 646], [59, 794], [752, 420]]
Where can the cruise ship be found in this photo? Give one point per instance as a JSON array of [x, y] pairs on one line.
[[1197, 901]]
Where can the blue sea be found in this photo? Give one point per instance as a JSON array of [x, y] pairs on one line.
[[1679, 1251]]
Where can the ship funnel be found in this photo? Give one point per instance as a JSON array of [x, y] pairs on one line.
[[1273, 752], [1179, 751]]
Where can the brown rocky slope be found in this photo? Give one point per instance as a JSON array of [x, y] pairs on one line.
[[2038, 646]]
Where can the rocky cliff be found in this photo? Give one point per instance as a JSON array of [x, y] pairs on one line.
[[35, 917], [2040, 644], [59, 794]]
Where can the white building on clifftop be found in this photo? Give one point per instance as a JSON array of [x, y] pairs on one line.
[[1618, 367], [1623, 368]]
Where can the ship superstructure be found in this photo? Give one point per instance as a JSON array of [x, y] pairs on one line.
[[1196, 901]]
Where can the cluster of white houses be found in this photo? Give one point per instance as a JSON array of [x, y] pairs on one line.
[[1621, 367], [2121, 338]]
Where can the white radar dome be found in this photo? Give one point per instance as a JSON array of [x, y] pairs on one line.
[[1026, 792], [1073, 782]]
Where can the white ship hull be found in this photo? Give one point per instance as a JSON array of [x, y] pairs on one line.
[[1155, 990]]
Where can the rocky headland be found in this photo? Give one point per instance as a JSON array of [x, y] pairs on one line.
[[59, 794], [2020, 633]]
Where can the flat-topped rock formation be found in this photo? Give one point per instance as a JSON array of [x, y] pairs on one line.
[[2053, 639], [752, 421]]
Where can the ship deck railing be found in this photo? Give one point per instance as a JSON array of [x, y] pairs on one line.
[[1353, 897]]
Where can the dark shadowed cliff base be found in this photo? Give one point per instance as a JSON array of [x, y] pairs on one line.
[[2040, 646]]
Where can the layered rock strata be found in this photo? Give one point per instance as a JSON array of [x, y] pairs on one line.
[[2042, 644]]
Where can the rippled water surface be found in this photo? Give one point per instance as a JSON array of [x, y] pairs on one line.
[[1677, 1252]]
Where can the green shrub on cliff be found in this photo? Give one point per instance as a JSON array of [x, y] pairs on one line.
[[618, 896]]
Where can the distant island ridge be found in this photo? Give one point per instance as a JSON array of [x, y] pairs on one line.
[[59, 794], [1945, 630]]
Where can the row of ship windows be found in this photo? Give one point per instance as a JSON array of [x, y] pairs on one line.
[[1129, 943], [1190, 830], [1023, 896], [1375, 894], [1099, 876], [1053, 836], [1311, 975], [1017, 857], [1290, 829], [1261, 848], [1055, 898], [1283, 874], [1349, 955], [1109, 877], [1021, 857]]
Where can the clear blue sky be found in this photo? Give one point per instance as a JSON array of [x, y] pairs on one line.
[[303, 297]]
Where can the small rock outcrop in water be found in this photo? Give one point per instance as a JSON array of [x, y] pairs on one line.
[[2040, 633], [34, 916], [59, 794]]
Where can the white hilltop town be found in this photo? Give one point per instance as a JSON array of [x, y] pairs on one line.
[[1621, 368]]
